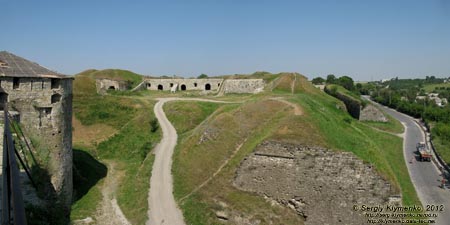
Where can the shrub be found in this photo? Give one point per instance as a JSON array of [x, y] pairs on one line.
[[154, 125]]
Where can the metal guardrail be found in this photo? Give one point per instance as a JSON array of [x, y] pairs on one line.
[[13, 210]]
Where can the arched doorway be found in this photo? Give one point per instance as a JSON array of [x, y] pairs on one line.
[[3, 100], [160, 87], [183, 87], [207, 87], [112, 88]]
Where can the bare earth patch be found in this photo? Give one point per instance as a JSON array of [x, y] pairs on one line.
[[89, 136], [297, 109], [109, 212]]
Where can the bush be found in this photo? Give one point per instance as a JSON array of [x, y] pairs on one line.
[[443, 131], [154, 125]]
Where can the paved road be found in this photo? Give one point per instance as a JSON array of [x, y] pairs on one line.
[[162, 206], [424, 175]]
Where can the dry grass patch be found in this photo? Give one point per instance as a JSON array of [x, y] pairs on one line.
[[89, 136], [200, 155], [284, 83]]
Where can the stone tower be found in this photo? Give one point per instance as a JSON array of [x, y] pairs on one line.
[[43, 99]]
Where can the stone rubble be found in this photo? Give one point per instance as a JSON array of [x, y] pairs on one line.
[[319, 184]]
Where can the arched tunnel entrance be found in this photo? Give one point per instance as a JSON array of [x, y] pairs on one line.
[[183, 87], [207, 87]]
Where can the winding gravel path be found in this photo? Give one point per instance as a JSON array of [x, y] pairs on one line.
[[162, 206]]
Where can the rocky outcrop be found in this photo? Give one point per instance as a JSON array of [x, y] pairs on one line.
[[372, 113], [319, 184]]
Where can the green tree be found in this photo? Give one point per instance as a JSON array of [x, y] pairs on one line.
[[318, 80], [331, 79], [154, 125], [346, 82], [202, 76]]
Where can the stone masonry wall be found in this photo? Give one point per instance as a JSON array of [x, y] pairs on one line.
[[166, 84], [189, 84], [372, 113], [103, 85], [320, 185], [45, 108], [244, 86]]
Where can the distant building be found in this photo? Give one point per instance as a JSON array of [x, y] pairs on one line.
[[433, 95], [421, 98], [435, 98]]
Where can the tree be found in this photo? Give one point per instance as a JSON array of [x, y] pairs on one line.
[[202, 76], [331, 79], [318, 80], [346, 82]]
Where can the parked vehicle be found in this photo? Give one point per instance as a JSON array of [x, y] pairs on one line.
[[424, 152]]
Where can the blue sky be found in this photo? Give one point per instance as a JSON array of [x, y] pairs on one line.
[[362, 39]]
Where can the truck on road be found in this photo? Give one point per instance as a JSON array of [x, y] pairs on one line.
[[424, 152]]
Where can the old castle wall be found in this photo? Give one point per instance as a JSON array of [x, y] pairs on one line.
[[45, 107], [167, 84], [103, 85], [186, 84], [314, 182], [244, 86]]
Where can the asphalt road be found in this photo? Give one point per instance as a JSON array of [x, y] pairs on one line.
[[425, 176], [162, 206]]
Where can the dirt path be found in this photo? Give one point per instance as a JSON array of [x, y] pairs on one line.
[[297, 110], [109, 212], [162, 206]]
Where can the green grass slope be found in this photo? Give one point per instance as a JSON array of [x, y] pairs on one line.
[[85, 81], [126, 148], [217, 146], [393, 125], [432, 87]]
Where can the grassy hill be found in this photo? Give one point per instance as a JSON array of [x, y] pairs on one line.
[[114, 132], [431, 87], [84, 83], [217, 146], [213, 141]]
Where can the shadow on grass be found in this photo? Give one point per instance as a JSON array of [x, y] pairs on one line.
[[87, 171]]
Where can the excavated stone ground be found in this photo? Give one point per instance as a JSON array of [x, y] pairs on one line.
[[319, 184]]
